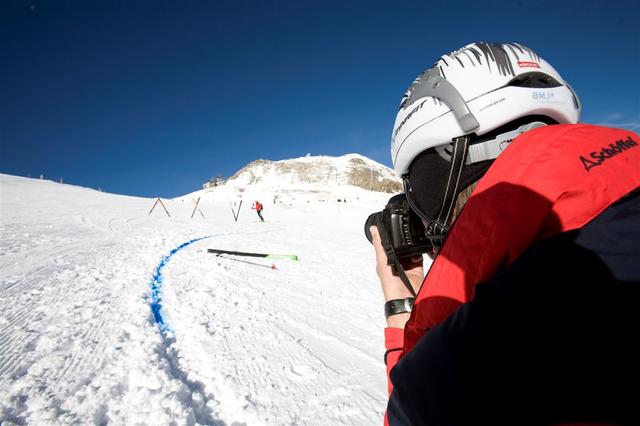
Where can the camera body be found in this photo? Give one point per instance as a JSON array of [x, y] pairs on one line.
[[401, 230]]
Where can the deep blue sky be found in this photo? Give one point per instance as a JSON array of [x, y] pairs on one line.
[[154, 97]]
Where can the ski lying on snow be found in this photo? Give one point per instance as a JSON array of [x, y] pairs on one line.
[[244, 253]]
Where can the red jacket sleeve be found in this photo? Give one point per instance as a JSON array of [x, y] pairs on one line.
[[393, 342]]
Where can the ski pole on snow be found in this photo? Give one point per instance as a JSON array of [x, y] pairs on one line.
[[273, 266], [248, 254]]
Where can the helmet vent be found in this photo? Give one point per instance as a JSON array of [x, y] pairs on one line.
[[534, 80]]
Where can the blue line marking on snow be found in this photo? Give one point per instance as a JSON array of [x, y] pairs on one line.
[[156, 286]]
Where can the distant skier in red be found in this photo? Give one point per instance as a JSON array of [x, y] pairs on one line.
[[257, 206]]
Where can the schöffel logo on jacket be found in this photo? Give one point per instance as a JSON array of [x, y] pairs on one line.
[[596, 158]]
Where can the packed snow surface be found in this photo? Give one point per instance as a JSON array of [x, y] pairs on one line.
[[231, 341]]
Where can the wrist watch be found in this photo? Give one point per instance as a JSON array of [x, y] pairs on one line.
[[398, 306]]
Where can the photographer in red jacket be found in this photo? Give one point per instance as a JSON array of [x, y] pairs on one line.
[[528, 314]]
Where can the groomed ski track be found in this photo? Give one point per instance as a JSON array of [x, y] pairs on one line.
[[246, 345]]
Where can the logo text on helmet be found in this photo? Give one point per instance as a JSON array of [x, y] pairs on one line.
[[413, 111], [543, 96], [528, 64]]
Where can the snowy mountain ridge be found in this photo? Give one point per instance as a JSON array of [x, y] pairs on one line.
[[326, 171], [307, 179]]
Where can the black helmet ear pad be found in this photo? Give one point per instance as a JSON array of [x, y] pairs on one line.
[[428, 178]]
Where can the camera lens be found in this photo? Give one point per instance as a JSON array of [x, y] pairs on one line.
[[372, 220]]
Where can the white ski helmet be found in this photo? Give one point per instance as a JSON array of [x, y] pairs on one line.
[[459, 115], [475, 90]]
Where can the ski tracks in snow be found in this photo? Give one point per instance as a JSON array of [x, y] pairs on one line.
[[257, 355], [76, 344], [251, 345]]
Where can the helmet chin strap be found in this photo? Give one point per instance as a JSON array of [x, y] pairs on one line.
[[437, 229]]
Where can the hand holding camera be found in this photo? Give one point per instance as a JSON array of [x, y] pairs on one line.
[[392, 285], [398, 236], [402, 232]]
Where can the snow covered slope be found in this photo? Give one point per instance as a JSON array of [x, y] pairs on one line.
[[245, 343]]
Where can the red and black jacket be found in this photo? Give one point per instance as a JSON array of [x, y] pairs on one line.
[[531, 237]]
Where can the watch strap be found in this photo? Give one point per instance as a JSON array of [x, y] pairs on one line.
[[398, 306]]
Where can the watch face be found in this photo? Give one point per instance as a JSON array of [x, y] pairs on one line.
[[408, 304]]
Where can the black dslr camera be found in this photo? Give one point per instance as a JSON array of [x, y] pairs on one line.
[[401, 230]]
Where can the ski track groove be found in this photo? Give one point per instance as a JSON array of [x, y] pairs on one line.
[[126, 221], [115, 231], [20, 286], [96, 354], [8, 290], [17, 334], [18, 330], [7, 369], [82, 358], [62, 253], [21, 316]]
